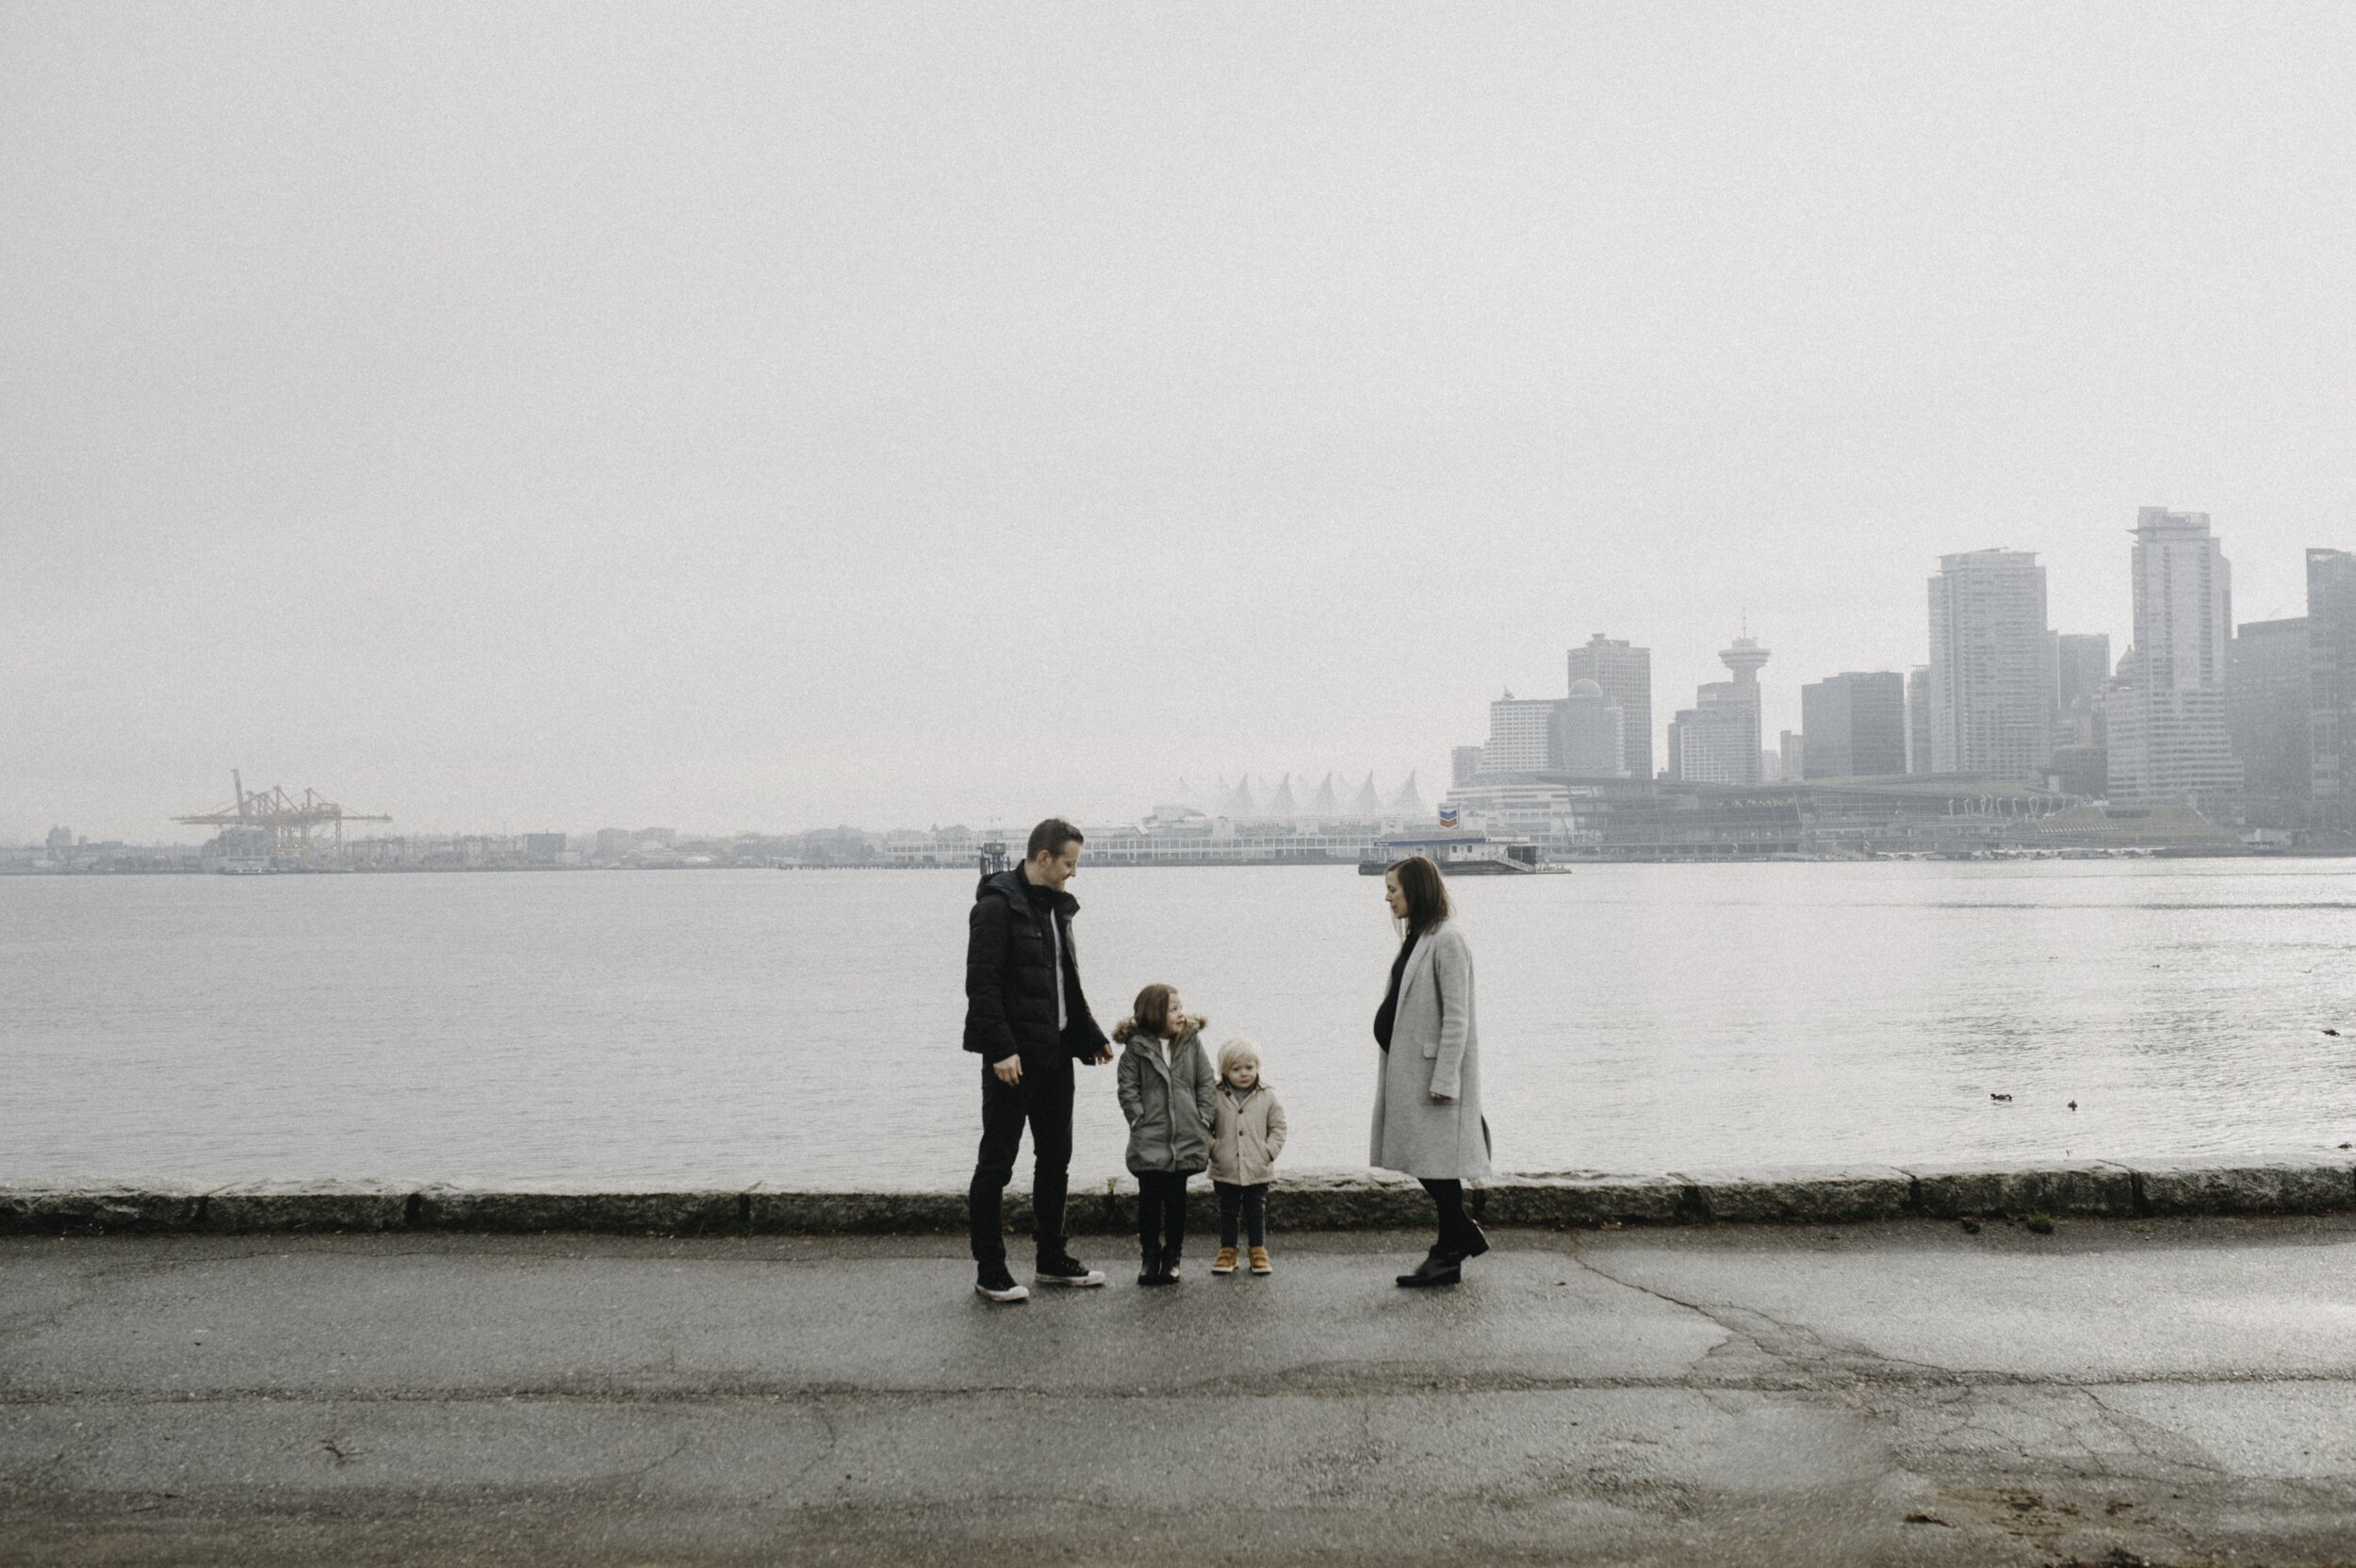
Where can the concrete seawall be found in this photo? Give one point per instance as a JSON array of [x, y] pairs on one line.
[[1818, 1195]]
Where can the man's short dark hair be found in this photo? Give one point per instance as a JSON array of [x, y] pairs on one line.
[[1049, 838]]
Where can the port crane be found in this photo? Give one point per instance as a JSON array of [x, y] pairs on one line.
[[289, 822]]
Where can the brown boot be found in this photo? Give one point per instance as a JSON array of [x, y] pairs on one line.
[[1259, 1261], [1225, 1261]]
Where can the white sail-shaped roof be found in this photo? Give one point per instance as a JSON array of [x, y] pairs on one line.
[[1367, 807], [1323, 806], [1408, 801], [1238, 802], [1281, 805]]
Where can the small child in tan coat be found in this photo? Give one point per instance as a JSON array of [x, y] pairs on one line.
[[1247, 1134]]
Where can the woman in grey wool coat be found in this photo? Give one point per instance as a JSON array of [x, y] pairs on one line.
[[1426, 1102]]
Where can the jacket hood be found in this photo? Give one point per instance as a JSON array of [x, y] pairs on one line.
[[1152, 1042], [1012, 886]]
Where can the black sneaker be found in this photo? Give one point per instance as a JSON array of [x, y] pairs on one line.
[[1065, 1269], [993, 1283]]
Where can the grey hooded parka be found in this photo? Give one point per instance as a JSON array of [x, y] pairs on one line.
[[1169, 1103]]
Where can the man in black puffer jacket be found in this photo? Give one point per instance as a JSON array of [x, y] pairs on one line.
[[1029, 1021]]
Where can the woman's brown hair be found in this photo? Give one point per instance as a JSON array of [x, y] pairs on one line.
[[1148, 1015], [1426, 893]]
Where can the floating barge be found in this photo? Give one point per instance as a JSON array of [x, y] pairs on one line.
[[1465, 852]]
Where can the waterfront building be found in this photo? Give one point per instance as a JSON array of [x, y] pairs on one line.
[[1991, 677], [1854, 725], [1790, 757], [1408, 804], [544, 849], [1535, 805], [2332, 686], [1464, 765], [1325, 805], [2265, 710], [1365, 806], [2169, 740], [1716, 740], [1521, 735], [1624, 674], [1919, 719], [1589, 738]]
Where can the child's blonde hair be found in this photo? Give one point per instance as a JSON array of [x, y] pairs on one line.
[[1240, 1049]]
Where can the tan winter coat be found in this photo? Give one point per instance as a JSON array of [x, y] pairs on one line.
[[1247, 1134]]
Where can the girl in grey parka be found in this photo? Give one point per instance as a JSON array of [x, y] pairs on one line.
[[1167, 1092]]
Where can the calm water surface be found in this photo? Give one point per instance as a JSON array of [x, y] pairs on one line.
[[801, 1028]]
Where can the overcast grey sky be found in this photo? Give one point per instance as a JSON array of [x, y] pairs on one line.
[[516, 416]]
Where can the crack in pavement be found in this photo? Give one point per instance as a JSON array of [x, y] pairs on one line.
[[1800, 1344], [1331, 1381], [2133, 1428]]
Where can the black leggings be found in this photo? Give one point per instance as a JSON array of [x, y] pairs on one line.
[[1249, 1204], [1162, 1213], [1455, 1224]]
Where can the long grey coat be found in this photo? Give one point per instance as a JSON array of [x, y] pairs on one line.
[[1435, 1048], [1170, 1104]]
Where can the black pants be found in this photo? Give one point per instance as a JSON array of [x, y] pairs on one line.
[[1043, 1098], [1455, 1224], [1251, 1204], [1162, 1214]]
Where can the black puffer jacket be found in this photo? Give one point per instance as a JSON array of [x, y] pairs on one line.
[[1009, 976]]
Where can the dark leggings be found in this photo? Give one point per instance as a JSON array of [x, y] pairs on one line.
[[1249, 1203], [1162, 1213], [1455, 1225]]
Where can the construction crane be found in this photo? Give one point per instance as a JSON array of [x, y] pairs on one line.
[[288, 820]]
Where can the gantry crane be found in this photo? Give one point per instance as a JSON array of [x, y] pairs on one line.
[[288, 820]]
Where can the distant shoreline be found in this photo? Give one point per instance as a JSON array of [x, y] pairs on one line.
[[1561, 867]]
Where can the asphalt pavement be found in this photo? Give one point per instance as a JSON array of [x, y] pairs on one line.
[[2172, 1391]]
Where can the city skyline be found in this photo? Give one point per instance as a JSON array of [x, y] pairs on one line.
[[700, 415], [2065, 652]]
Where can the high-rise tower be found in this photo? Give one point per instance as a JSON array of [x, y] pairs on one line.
[[2169, 740], [1991, 686], [2331, 685], [1625, 675], [1854, 725], [1716, 740]]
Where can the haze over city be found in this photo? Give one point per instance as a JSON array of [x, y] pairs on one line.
[[572, 416]]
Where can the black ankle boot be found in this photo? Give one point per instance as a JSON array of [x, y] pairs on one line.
[[1150, 1266], [1439, 1267]]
